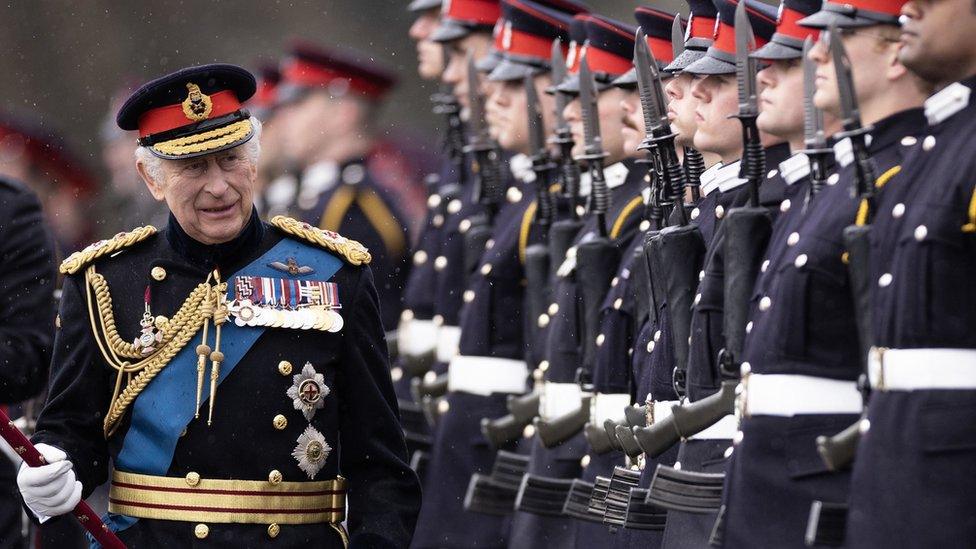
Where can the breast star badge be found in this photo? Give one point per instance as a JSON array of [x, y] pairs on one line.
[[308, 391], [311, 452]]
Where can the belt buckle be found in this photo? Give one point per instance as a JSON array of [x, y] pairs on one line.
[[742, 394], [879, 353], [649, 411]]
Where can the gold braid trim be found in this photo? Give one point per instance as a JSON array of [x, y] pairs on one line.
[[78, 260], [350, 250], [205, 141]]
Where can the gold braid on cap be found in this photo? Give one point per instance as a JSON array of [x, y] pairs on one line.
[[350, 250], [78, 260]]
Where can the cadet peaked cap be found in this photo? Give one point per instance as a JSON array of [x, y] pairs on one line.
[[265, 98], [855, 13], [340, 71], [609, 50], [489, 62], [191, 112], [656, 24], [787, 42], [702, 18], [424, 5], [720, 57], [460, 18], [526, 39]]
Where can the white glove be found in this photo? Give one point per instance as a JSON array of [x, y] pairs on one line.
[[52, 489]]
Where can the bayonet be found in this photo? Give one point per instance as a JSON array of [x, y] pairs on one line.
[[813, 124], [446, 105], [678, 36], [753, 164], [658, 139], [593, 152], [864, 173], [480, 144], [569, 171], [542, 164]]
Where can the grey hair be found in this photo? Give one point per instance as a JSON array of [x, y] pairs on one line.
[[154, 164]]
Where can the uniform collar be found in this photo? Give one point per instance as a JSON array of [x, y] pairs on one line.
[[949, 101], [215, 255], [727, 177], [707, 179], [521, 168], [884, 133], [614, 174]]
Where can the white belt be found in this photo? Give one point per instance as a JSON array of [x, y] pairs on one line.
[[725, 429], [416, 337], [448, 338], [661, 409], [920, 369], [608, 406], [791, 395], [483, 375], [559, 399]]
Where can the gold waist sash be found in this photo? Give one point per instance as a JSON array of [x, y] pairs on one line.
[[195, 499]]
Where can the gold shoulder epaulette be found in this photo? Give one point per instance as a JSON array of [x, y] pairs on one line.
[[78, 260], [350, 250]]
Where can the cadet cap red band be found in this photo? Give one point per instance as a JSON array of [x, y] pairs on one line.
[[476, 12]]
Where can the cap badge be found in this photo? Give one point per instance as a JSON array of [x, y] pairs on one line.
[[571, 54], [507, 36], [197, 106]]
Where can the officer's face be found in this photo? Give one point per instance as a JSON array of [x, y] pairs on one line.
[[780, 110], [456, 74], [718, 97], [507, 109], [210, 196], [632, 124], [681, 108], [939, 39], [873, 60], [430, 55], [611, 123]]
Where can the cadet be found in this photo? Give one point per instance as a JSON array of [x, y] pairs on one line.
[[911, 484], [328, 115], [27, 282], [221, 354], [722, 189]]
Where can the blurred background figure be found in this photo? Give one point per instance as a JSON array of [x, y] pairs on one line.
[[32, 153], [329, 102], [124, 202]]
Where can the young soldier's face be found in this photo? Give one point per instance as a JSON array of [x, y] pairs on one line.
[[780, 103], [430, 55], [456, 74], [210, 196], [508, 111], [681, 108], [939, 39], [611, 124], [718, 97], [870, 53]]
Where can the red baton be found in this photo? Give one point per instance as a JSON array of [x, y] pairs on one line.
[[85, 515]]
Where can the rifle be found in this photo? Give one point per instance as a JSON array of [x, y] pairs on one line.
[[694, 164], [446, 104], [85, 515], [814, 138], [838, 451], [593, 153], [569, 171]]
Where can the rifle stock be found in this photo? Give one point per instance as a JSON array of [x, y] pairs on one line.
[[682, 248], [559, 430], [636, 415], [628, 442], [838, 451], [686, 421], [747, 232], [598, 438]]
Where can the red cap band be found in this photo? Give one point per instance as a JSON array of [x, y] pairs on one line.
[[889, 7], [662, 50], [604, 61], [482, 12], [701, 27], [171, 117], [788, 25], [303, 73], [725, 39], [527, 44]]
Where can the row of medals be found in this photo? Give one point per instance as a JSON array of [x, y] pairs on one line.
[[311, 317]]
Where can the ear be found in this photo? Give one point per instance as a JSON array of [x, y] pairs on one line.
[[155, 187], [894, 69]]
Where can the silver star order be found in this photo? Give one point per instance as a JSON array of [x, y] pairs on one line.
[[308, 391], [311, 452]]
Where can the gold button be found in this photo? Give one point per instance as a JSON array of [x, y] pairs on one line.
[[433, 201], [438, 320], [440, 263], [438, 220], [420, 257], [454, 206], [443, 406], [600, 339], [406, 315], [765, 303], [274, 477], [486, 269], [553, 309], [396, 373], [158, 273], [644, 225], [284, 367], [585, 462], [544, 365], [793, 239], [529, 431], [513, 194], [617, 303], [784, 206], [695, 213], [543, 320], [468, 296], [464, 226], [192, 479], [201, 531], [273, 530], [280, 422], [719, 212]]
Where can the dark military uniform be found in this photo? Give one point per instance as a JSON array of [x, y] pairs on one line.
[[27, 281], [910, 484], [354, 204], [803, 324]]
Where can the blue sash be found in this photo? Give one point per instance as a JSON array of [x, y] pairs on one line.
[[166, 406]]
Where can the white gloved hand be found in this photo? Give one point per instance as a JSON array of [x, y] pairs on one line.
[[52, 489]]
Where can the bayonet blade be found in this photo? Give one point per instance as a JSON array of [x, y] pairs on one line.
[[745, 66], [678, 36], [813, 122], [850, 112], [558, 63], [645, 82], [537, 130], [478, 138], [591, 116]]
